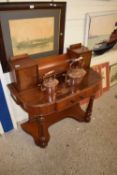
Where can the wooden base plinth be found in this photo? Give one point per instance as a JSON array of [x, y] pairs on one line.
[[38, 127]]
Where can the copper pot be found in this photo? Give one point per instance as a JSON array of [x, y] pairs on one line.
[[50, 84], [75, 74]]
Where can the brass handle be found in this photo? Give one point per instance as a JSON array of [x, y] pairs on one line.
[[72, 101], [81, 97], [49, 74], [76, 60]]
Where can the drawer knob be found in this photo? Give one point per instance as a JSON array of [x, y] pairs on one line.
[[81, 97], [72, 101]]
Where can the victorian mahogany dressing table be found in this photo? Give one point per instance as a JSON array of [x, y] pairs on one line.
[[46, 106]]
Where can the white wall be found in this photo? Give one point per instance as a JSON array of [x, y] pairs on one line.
[[74, 31]]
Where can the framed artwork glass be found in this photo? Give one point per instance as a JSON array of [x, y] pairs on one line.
[[101, 32], [35, 28]]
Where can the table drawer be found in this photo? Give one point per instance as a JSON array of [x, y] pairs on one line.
[[75, 98], [66, 103]]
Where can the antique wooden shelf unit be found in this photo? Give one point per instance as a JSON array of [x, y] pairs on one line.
[[44, 89]]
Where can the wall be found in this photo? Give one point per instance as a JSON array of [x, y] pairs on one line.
[[74, 32]]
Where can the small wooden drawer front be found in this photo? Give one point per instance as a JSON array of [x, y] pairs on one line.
[[41, 110], [66, 103], [75, 98]]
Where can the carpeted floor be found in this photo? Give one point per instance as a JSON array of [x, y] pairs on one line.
[[74, 148]]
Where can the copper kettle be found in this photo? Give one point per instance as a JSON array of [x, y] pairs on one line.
[[75, 73], [50, 85]]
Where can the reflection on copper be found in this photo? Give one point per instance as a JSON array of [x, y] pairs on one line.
[[75, 74], [50, 84]]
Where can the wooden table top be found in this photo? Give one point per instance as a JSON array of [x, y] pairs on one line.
[[36, 98]]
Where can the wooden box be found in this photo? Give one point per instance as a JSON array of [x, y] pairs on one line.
[[78, 50], [24, 72]]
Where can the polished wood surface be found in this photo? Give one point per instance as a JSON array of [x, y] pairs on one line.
[[43, 111], [24, 72]]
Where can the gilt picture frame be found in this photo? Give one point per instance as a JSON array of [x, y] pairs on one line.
[[34, 28], [113, 74], [105, 76]]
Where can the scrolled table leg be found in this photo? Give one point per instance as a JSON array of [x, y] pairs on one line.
[[43, 133]]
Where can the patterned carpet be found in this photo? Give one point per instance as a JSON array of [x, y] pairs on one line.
[[74, 148]]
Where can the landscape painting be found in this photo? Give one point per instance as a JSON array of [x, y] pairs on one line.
[[33, 35], [36, 29]]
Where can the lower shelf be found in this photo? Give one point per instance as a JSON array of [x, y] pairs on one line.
[[38, 127]]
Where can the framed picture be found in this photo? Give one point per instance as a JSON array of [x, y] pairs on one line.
[[104, 84], [103, 70], [113, 74], [35, 28], [105, 76], [101, 32], [97, 68]]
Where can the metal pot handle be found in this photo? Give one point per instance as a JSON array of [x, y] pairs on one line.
[[75, 60], [49, 74]]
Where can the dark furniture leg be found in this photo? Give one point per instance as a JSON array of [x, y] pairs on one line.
[[89, 109], [38, 127], [43, 132]]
